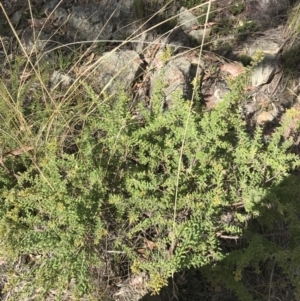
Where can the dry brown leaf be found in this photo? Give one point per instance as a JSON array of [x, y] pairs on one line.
[[141, 250], [137, 280], [233, 68], [2, 261], [265, 116], [18, 151], [36, 23], [150, 244], [25, 75], [90, 58]]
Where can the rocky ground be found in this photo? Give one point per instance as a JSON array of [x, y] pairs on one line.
[[257, 26], [119, 43]]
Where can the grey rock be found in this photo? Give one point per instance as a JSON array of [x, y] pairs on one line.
[[221, 89], [190, 25], [50, 5], [269, 48], [187, 20], [172, 65], [273, 7], [178, 40], [270, 43], [198, 34], [101, 21], [34, 42], [264, 11], [263, 73], [59, 78], [248, 109], [16, 17], [145, 42], [175, 39], [176, 75], [118, 68]]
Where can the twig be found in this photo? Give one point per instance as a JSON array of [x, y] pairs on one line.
[[115, 252], [227, 236]]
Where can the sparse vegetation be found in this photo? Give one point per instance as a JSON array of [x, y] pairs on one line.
[[237, 8]]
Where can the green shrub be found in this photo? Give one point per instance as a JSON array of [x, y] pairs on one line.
[[98, 174]]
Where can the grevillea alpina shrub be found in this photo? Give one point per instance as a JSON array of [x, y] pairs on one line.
[[100, 174]]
